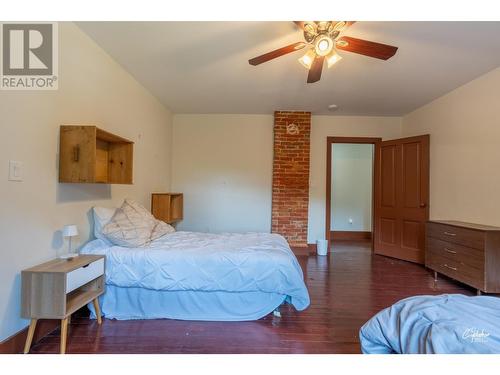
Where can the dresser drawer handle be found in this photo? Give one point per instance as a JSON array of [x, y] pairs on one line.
[[450, 234], [450, 267], [449, 251]]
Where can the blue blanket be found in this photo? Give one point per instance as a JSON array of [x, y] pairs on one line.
[[256, 266], [435, 324]]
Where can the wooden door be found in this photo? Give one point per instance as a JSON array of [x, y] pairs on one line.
[[401, 198]]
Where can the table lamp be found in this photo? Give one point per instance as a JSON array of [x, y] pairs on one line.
[[70, 231]]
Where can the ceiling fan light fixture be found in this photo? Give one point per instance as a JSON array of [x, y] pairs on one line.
[[341, 43], [333, 58], [322, 40], [308, 59], [340, 26], [310, 27], [323, 45]]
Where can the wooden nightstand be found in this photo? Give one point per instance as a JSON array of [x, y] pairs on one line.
[[56, 289]]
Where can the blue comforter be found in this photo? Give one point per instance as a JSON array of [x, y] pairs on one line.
[[435, 324], [205, 262]]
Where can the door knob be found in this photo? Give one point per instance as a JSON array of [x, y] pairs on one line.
[[423, 205]]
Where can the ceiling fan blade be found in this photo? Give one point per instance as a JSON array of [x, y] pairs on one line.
[[367, 48], [316, 68], [276, 53]]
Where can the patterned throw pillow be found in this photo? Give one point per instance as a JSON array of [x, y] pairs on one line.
[[161, 229], [131, 226]]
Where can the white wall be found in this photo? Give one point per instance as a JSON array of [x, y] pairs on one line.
[[464, 128], [224, 164], [352, 180], [93, 89]]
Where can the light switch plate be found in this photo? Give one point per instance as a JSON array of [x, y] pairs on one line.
[[15, 170]]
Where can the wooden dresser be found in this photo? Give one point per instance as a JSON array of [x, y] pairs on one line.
[[466, 252]]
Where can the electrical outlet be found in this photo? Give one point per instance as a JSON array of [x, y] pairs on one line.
[[15, 170], [350, 221]]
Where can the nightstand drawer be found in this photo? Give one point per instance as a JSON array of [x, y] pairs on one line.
[[83, 275]]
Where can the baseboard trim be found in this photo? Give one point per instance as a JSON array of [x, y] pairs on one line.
[[15, 343], [350, 235]]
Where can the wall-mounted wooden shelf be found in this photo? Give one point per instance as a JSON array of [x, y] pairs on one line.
[[167, 207], [88, 154]]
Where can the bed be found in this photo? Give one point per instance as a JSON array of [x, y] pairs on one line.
[[200, 276], [450, 323]]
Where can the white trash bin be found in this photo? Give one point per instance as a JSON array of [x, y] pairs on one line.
[[322, 247]]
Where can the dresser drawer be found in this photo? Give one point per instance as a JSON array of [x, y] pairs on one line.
[[462, 254], [463, 236], [455, 269], [83, 275]]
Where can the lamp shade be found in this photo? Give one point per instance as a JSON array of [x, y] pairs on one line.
[[70, 231], [333, 58], [308, 59]]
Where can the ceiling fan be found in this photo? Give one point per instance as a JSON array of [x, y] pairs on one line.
[[322, 38]]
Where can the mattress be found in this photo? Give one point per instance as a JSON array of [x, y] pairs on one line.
[[445, 324], [204, 276]]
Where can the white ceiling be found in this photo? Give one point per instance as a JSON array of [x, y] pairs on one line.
[[202, 67]]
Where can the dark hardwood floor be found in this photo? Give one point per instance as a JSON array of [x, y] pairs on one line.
[[346, 289]]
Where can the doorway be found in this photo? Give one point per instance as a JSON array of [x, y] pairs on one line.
[[400, 195], [350, 189]]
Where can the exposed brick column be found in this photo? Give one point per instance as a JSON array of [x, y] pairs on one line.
[[291, 175]]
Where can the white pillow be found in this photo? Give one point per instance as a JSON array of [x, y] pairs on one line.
[[102, 216], [161, 228], [130, 226]]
